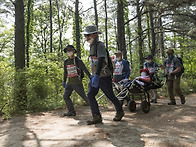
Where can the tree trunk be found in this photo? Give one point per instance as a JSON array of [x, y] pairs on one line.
[[60, 29], [153, 49], [96, 15], [106, 24], [77, 19], [161, 38], [19, 53], [140, 35], [148, 30], [27, 31], [50, 26], [121, 29], [19, 50]]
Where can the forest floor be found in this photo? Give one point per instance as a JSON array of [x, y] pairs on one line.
[[163, 126]]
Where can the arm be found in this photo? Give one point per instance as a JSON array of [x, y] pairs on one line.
[[100, 64], [177, 70], [84, 68], [65, 72], [127, 69], [101, 53], [145, 79]]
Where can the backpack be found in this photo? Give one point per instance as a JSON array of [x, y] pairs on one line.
[[110, 64], [182, 68], [81, 72]]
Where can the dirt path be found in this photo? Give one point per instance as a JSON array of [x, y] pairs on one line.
[[163, 126]]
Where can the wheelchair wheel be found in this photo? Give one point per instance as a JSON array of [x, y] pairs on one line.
[[145, 106], [131, 106]]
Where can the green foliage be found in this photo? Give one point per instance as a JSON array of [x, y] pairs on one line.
[[6, 87]]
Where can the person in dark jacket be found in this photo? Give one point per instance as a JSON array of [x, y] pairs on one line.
[[73, 69], [102, 76]]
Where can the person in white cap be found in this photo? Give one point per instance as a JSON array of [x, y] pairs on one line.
[[121, 71], [102, 69]]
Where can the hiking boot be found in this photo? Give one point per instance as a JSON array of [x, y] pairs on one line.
[[118, 116], [69, 113], [153, 101], [172, 103], [183, 101], [96, 119]]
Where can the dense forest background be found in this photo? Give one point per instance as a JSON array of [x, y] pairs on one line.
[[33, 34]]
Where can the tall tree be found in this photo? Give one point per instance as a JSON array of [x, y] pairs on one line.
[[19, 53], [59, 27], [51, 26], [77, 27], [19, 49], [152, 30], [121, 29], [96, 15], [106, 24], [140, 34], [28, 31]]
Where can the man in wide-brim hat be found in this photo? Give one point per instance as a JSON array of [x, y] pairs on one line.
[[102, 75]]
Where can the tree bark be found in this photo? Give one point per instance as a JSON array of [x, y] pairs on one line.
[[60, 29], [96, 15], [161, 38], [51, 26], [106, 24], [121, 29], [27, 31], [20, 97], [153, 48], [140, 34], [19, 49], [77, 21]]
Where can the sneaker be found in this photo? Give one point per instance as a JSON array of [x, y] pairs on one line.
[[153, 101], [96, 119], [69, 113], [118, 116], [172, 103], [183, 101]]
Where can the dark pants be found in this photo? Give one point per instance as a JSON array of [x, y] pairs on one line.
[[173, 84], [105, 84], [68, 91]]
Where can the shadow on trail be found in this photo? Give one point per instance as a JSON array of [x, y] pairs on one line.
[[17, 133]]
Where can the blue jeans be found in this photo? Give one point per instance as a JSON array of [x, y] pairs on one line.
[[68, 91], [105, 84]]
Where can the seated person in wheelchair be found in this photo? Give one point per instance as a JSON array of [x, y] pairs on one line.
[[144, 77]]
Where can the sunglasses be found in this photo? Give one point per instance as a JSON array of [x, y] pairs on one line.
[[87, 35]]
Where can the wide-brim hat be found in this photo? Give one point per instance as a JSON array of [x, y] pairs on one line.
[[118, 52], [149, 57], [91, 29], [145, 69], [69, 47]]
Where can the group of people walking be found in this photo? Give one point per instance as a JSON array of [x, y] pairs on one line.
[[101, 76]]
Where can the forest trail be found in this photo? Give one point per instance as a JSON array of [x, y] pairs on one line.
[[163, 126]]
